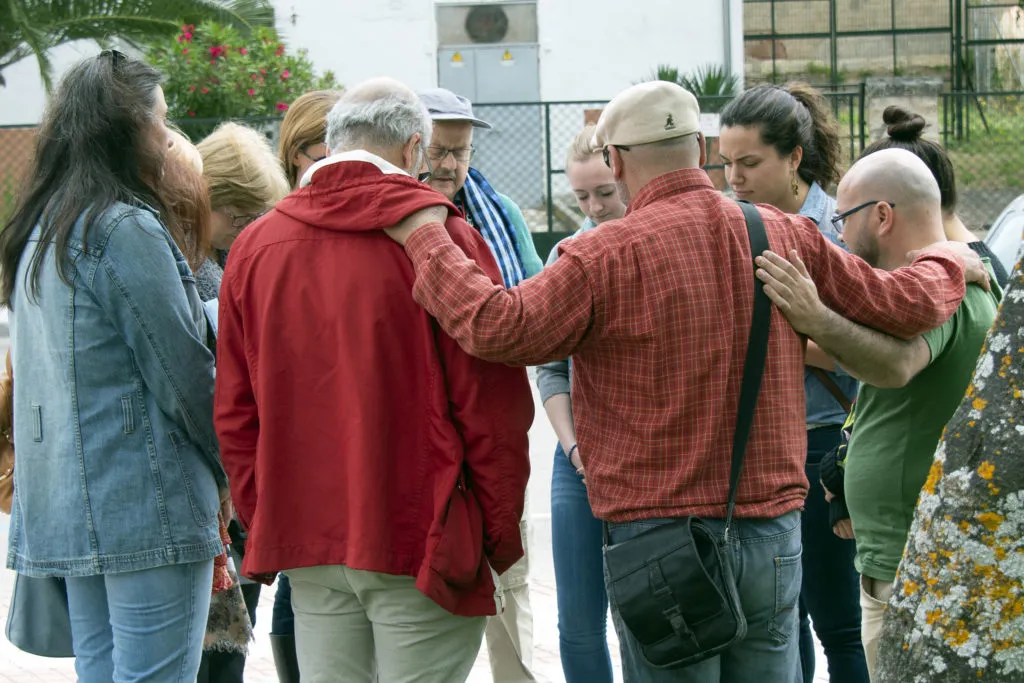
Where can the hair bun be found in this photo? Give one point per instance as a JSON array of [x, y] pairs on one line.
[[903, 125]]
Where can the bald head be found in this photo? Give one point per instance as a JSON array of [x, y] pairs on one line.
[[896, 176], [894, 207], [380, 115]]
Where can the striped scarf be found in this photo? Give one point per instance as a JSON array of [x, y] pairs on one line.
[[485, 211]]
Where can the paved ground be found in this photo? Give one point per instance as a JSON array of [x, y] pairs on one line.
[[18, 667]]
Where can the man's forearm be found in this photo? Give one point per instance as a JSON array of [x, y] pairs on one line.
[[870, 356]]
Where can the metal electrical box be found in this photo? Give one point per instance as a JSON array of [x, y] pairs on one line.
[[489, 54]]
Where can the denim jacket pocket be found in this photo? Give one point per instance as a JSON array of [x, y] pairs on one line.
[[195, 495]]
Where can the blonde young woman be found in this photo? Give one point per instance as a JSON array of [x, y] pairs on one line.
[[301, 145], [575, 532], [245, 181]]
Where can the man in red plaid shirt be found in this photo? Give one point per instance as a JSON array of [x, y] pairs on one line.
[[655, 311]]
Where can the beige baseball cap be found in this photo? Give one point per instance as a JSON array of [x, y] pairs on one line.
[[648, 112]]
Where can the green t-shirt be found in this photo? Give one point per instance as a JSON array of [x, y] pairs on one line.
[[896, 432]]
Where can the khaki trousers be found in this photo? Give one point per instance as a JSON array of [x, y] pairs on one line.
[[510, 634], [354, 626], [874, 596]]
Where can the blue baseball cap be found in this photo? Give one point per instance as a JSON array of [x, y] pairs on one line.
[[444, 105]]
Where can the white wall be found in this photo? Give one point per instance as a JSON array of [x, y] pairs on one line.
[[361, 39], [590, 53], [24, 98]]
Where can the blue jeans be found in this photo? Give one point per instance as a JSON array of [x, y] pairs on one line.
[[145, 625], [579, 578], [831, 585], [282, 621], [766, 556]]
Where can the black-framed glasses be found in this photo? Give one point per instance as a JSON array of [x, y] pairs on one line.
[[242, 220], [607, 157], [306, 154], [461, 154], [837, 220]]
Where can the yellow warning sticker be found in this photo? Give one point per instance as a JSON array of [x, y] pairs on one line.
[[507, 57], [457, 57]]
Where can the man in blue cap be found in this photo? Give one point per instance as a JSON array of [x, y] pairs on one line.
[[501, 223], [496, 216]]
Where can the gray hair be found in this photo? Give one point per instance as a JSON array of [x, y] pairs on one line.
[[381, 123]]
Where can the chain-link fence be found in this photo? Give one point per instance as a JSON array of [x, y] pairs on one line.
[[984, 134], [523, 156], [17, 145]]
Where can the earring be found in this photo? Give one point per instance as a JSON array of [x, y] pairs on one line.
[[796, 188]]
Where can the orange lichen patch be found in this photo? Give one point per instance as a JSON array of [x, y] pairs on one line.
[[958, 637], [994, 490], [991, 520], [934, 616], [965, 527], [1000, 553], [1017, 393], [910, 587], [986, 470], [934, 475], [971, 423], [979, 403]]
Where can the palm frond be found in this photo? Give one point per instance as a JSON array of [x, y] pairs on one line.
[[36, 26]]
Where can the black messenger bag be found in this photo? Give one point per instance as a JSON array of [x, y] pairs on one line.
[[674, 585]]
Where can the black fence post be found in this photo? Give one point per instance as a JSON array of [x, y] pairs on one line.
[[863, 115], [547, 167]]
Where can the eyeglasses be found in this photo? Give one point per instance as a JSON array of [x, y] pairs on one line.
[[304, 153], [837, 220], [239, 222], [607, 158], [462, 154]]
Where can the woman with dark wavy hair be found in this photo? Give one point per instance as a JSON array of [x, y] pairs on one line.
[[781, 147], [118, 475]]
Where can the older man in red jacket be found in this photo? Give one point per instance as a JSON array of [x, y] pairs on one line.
[[372, 460]]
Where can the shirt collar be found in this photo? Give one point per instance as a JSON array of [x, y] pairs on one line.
[[668, 184], [384, 165], [815, 204]]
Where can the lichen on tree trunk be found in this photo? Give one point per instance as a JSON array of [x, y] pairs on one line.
[[957, 612]]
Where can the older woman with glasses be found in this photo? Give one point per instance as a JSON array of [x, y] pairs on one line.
[[245, 181]]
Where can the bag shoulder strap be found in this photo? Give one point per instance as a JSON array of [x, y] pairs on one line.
[[832, 387], [753, 366]]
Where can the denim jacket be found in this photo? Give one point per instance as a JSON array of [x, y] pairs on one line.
[[822, 407], [117, 465]]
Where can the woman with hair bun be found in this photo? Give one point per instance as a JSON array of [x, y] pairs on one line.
[[903, 131], [780, 146]]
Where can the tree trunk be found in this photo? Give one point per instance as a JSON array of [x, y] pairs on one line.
[[957, 612]]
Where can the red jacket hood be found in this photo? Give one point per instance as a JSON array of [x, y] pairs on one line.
[[359, 192]]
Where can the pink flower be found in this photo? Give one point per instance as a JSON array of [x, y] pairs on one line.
[[192, 88], [188, 37], [204, 91], [217, 51], [185, 51], [243, 51], [263, 72], [281, 106], [213, 62], [181, 38], [285, 75], [191, 113], [280, 50], [252, 93]]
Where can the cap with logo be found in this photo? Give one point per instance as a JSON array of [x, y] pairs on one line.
[[648, 112], [444, 105]]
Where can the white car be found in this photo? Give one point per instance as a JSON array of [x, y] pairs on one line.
[[1006, 236]]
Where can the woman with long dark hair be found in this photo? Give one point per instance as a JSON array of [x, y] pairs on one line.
[[118, 472], [781, 147]]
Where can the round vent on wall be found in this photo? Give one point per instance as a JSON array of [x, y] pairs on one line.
[[486, 24]]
